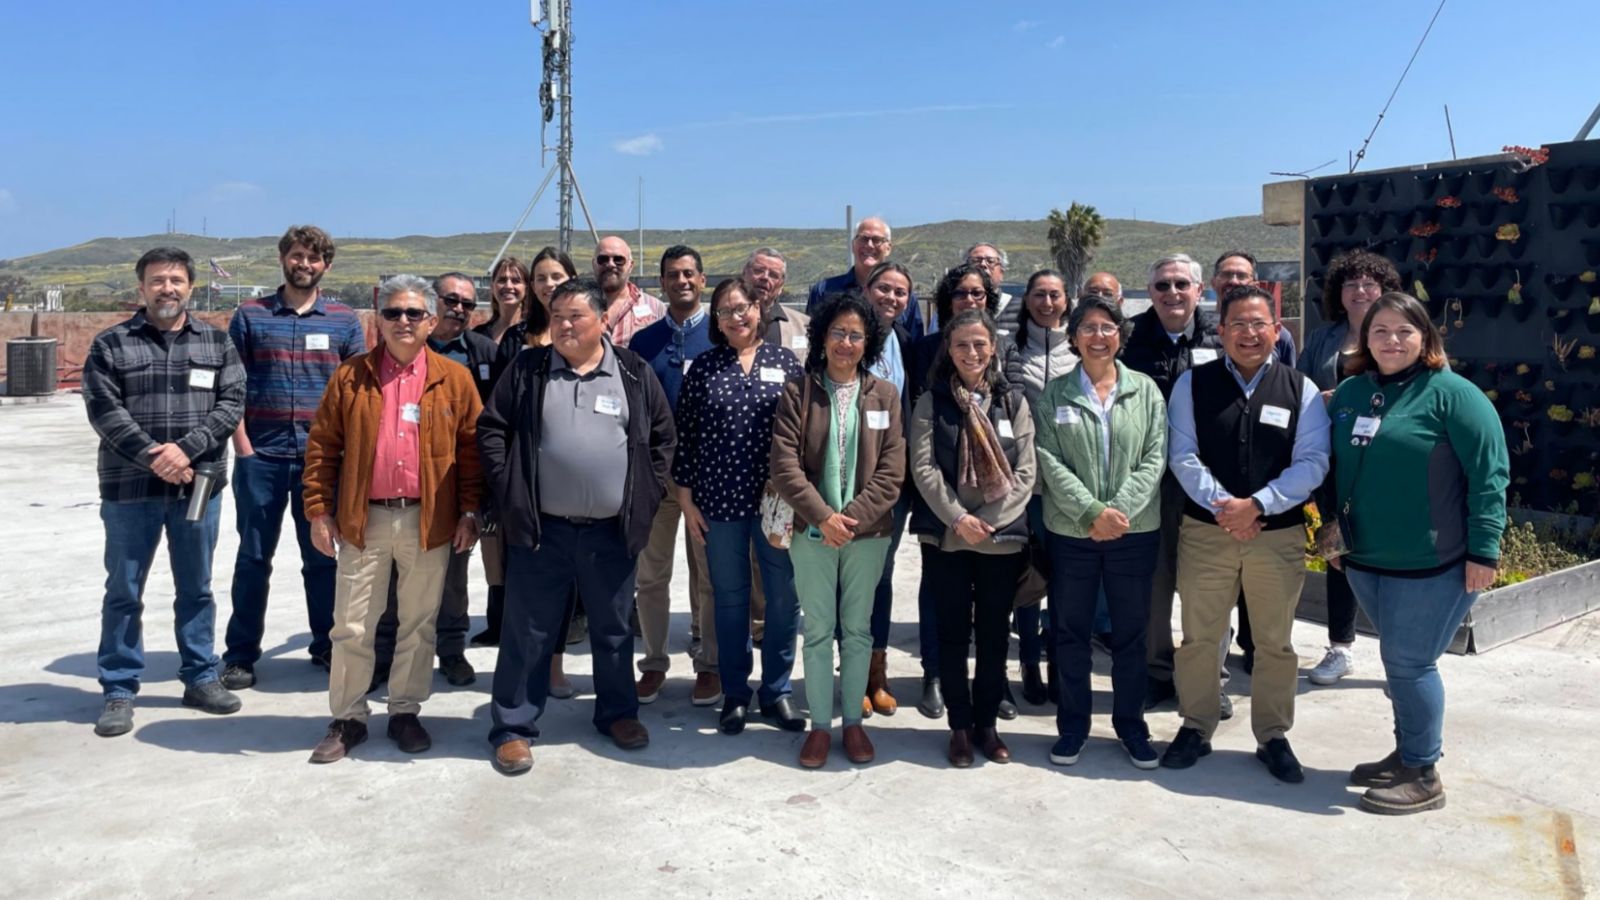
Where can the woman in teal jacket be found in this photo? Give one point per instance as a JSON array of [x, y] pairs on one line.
[[1102, 445], [1421, 472]]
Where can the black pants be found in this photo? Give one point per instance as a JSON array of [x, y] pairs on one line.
[[1080, 569], [539, 584], [973, 593]]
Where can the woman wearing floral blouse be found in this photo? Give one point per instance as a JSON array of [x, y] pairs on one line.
[[725, 411]]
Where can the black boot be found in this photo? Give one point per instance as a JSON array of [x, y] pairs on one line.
[[490, 635], [1033, 689], [932, 702]]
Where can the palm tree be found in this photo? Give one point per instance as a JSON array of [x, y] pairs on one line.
[[1073, 238]]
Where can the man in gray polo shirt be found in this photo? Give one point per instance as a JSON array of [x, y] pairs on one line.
[[569, 521]]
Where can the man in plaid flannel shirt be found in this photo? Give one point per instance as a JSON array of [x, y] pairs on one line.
[[164, 391]]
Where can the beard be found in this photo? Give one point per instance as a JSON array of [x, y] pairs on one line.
[[166, 311], [301, 279]]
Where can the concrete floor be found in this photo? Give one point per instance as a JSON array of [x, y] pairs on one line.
[[195, 805]]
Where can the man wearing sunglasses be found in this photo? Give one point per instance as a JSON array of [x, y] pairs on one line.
[[871, 245], [992, 260], [476, 352], [392, 482], [290, 344], [628, 309], [1171, 337]]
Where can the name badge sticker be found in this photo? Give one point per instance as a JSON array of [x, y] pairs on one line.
[[1366, 427], [1066, 415], [1276, 416], [410, 412], [799, 343], [878, 419], [1203, 355], [1005, 429], [772, 374], [316, 342], [205, 379], [483, 371], [641, 311], [607, 405]]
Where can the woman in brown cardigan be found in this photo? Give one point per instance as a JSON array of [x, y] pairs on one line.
[[839, 458]]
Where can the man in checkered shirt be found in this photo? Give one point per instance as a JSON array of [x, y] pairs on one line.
[[164, 391]]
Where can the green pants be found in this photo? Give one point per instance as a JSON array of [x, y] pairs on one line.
[[836, 588]]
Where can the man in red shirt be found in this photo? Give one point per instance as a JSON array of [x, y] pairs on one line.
[[391, 480]]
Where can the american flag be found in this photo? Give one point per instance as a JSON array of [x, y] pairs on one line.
[[218, 271]]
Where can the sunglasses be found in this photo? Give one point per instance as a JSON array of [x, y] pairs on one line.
[[618, 261], [453, 300], [1182, 284], [412, 313]]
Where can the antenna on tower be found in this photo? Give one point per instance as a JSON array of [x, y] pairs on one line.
[[554, 18]]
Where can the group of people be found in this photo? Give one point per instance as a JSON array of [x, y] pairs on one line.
[[1063, 467]]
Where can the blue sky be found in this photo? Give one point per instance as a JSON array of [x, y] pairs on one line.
[[409, 117]]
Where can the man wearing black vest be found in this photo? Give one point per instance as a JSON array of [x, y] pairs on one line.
[[1248, 443], [1168, 339]]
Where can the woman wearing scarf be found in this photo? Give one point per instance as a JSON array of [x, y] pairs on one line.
[[973, 464], [839, 459]]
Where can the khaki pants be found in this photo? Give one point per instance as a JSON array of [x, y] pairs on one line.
[[655, 598], [393, 538], [1212, 567]]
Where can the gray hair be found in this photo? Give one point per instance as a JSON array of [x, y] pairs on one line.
[[438, 282], [407, 284], [1196, 272], [767, 252], [587, 289], [992, 246], [887, 233]]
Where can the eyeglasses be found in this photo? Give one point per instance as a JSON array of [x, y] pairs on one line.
[[872, 240], [969, 294], [1106, 330], [1251, 327], [738, 311], [1182, 284], [1365, 286], [412, 313], [453, 300], [984, 261], [603, 260], [846, 337]]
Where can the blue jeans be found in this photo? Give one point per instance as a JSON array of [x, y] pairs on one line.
[[263, 488], [728, 557], [1417, 619], [883, 598], [133, 531], [1082, 571], [594, 560]]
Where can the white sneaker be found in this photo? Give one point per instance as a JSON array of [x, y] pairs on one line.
[[1336, 664]]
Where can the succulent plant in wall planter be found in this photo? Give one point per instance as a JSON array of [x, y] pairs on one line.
[[1561, 319], [1586, 357]]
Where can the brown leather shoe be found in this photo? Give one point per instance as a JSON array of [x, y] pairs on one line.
[[989, 742], [513, 757], [629, 734], [866, 707], [814, 752], [405, 730], [343, 735], [883, 702], [707, 689], [857, 746], [650, 686], [960, 748]]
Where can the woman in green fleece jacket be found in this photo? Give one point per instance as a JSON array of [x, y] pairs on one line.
[[1421, 472], [1102, 445]]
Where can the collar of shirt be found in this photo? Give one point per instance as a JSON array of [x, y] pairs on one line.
[[695, 319], [1187, 332], [280, 308], [608, 363], [459, 342], [1248, 386], [141, 321], [390, 368]]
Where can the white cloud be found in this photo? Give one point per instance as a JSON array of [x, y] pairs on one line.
[[1025, 25], [224, 191], [643, 145], [1056, 42], [8, 203]]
